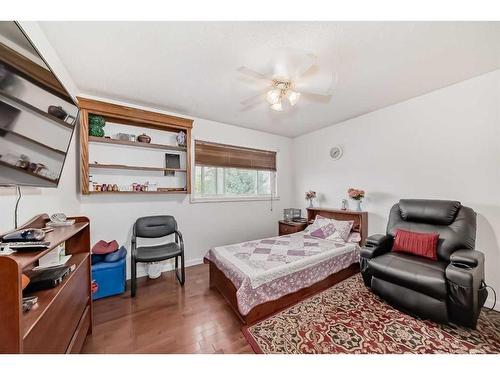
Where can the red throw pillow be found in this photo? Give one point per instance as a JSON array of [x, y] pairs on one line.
[[421, 244]]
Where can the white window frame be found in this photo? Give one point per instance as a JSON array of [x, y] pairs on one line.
[[233, 198]]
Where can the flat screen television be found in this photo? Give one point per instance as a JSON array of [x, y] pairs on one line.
[[37, 115]]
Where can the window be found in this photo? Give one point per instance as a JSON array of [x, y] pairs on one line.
[[229, 172]]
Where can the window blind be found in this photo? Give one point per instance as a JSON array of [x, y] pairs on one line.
[[220, 155]]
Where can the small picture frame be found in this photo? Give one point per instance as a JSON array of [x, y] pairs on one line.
[[172, 161]]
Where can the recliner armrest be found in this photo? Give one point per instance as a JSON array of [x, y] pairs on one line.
[[376, 245], [466, 268], [466, 292], [466, 257]]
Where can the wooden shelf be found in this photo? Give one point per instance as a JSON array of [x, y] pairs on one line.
[[33, 110], [27, 258], [53, 325], [140, 120], [31, 140], [45, 297], [135, 144], [134, 168], [140, 192], [2, 163]]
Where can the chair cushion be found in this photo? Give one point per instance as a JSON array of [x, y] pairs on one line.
[[416, 243], [430, 211], [413, 272], [157, 253], [155, 226]]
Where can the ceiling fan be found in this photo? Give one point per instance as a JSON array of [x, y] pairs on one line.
[[289, 75]]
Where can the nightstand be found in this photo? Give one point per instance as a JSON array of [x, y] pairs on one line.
[[289, 227]]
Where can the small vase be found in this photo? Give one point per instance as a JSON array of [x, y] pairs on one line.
[[358, 205], [311, 203], [144, 138]]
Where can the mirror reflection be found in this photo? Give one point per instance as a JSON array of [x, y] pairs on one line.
[[37, 115]]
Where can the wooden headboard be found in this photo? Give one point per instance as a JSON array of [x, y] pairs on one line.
[[360, 218]]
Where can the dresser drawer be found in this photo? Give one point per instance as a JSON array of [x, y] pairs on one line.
[[285, 228], [80, 335], [56, 327]]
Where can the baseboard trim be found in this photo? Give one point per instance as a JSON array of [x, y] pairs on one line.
[[168, 266], [490, 301]]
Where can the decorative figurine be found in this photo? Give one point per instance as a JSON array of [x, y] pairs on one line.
[[181, 139], [144, 138], [344, 205]]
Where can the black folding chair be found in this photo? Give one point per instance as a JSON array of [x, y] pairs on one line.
[[156, 227]]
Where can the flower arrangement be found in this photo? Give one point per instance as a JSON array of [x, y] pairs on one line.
[[356, 194], [310, 195]]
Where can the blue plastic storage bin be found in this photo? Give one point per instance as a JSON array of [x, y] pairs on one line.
[[109, 278]]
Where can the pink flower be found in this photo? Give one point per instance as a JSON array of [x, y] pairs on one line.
[[356, 193]]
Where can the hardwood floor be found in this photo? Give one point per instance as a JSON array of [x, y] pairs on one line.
[[166, 318]]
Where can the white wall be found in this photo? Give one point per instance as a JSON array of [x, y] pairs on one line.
[[443, 145], [112, 216], [203, 224]]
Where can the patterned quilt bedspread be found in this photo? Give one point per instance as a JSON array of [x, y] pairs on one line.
[[267, 269]]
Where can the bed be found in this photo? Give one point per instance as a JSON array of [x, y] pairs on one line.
[[261, 277]]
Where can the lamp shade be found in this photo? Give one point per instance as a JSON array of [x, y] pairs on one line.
[[293, 97], [273, 96], [277, 106]]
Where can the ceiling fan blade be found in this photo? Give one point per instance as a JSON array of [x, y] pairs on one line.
[[250, 106], [252, 73], [316, 97], [290, 63], [255, 98], [313, 69], [320, 84]]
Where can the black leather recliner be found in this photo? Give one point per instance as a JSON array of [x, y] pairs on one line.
[[450, 289]]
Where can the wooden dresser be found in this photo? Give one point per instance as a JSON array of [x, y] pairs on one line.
[[62, 318], [289, 227]]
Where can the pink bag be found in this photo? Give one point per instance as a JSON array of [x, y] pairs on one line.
[[103, 247]]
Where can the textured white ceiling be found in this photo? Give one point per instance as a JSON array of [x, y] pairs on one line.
[[190, 67]]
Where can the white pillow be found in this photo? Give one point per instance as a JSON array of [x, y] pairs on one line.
[[319, 221], [342, 227], [354, 237]]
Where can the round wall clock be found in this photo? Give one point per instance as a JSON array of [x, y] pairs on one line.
[[336, 152]]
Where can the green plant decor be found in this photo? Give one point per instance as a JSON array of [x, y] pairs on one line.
[[96, 125]]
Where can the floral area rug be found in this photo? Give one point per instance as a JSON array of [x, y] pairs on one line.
[[349, 318]]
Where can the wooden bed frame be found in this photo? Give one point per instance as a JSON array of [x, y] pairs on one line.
[[220, 282]]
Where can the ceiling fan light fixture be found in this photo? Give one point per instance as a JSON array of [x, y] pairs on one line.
[[293, 97], [277, 106], [273, 96]]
